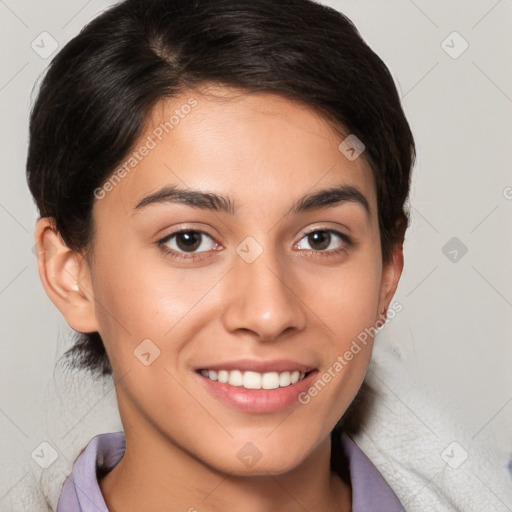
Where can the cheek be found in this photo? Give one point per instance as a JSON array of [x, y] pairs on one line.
[[139, 297], [128, 302], [347, 305], [348, 299]]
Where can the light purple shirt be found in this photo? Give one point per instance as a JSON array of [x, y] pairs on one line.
[[81, 491]]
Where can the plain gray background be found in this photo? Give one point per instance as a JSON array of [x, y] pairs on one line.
[[444, 362]]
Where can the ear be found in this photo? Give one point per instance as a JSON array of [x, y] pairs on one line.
[[391, 272], [65, 277]]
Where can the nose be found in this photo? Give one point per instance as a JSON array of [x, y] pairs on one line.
[[263, 297]]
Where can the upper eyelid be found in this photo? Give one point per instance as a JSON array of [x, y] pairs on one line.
[[330, 230]]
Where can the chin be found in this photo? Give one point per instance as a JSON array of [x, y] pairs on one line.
[[249, 460]]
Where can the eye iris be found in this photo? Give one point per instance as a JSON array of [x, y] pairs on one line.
[[188, 241], [319, 237]]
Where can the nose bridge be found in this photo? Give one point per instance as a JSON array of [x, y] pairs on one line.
[[260, 295]]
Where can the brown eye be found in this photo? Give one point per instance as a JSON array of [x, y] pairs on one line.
[[319, 240], [188, 241], [324, 240]]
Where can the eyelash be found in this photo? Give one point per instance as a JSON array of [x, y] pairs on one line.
[[197, 256]]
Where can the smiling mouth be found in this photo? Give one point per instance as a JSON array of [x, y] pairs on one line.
[[255, 380]]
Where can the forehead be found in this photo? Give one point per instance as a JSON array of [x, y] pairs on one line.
[[261, 148]]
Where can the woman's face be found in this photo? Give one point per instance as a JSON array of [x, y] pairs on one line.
[[264, 280]]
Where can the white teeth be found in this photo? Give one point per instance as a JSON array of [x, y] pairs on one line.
[[235, 378], [254, 380], [270, 380], [285, 379]]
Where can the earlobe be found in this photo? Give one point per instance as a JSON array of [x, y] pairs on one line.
[[65, 277]]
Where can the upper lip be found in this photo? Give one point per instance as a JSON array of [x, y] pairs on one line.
[[260, 366]]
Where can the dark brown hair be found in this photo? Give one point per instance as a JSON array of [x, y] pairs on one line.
[[99, 89]]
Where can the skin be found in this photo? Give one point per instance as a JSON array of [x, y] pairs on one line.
[[292, 302]]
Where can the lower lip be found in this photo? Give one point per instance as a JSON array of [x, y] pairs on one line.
[[258, 400]]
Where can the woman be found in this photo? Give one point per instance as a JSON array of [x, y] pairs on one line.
[[221, 187]]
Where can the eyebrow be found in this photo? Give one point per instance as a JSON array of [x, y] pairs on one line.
[[325, 198]]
